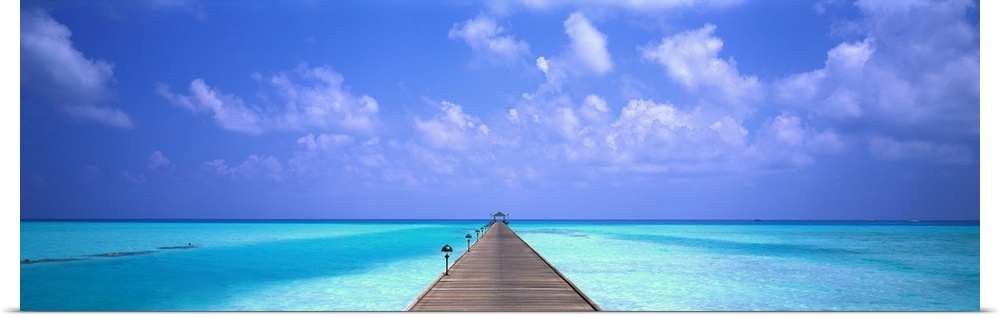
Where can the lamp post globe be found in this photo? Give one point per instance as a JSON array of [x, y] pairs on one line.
[[477, 234], [446, 250], [468, 241]]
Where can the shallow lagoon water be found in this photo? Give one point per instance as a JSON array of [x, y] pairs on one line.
[[383, 265], [747, 266]]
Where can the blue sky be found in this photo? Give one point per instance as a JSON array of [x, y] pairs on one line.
[[544, 109]]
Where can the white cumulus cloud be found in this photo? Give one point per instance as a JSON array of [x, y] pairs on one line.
[[324, 141], [787, 139], [54, 70], [489, 40], [157, 160], [451, 128], [588, 45], [229, 111], [645, 119], [595, 110], [730, 131], [542, 64], [915, 70], [312, 97], [691, 58], [587, 53]]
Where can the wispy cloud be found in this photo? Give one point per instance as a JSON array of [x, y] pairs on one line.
[[324, 141], [587, 54], [589, 46], [452, 128], [254, 168], [189, 6], [133, 178], [313, 97], [228, 111], [915, 70], [642, 6], [550, 135], [55, 71], [691, 59], [489, 41], [158, 161], [105, 115], [885, 148]]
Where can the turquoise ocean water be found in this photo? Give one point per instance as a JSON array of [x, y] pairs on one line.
[[383, 265]]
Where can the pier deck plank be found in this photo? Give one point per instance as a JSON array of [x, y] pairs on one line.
[[502, 273]]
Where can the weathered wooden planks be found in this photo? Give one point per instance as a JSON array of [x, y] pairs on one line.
[[502, 273]]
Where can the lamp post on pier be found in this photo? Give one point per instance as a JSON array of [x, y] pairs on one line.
[[477, 235], [468, 241], [446, 250]]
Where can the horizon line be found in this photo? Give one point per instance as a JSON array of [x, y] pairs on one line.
[[461, 219]]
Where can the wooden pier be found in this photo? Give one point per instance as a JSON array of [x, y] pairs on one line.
[[502, 273]]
